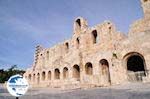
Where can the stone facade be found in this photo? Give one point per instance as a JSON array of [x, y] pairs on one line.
[[95, 56]]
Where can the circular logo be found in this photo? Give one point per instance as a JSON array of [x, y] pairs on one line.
[[17, 85]]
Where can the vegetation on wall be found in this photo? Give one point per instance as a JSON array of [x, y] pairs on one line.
[[115, 55]]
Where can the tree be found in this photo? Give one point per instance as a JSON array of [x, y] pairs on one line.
[[6, 74]]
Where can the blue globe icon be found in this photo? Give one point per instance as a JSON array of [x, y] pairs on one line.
[[17, 85]]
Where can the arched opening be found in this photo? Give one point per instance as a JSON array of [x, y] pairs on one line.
[[67, 47], [33, 77], [49, 75], [76, 71], [38, 78], [135, 66], [135, 63], [77, 42], [89, 68], [104, 65], [47, 55], [65, 73], [57, 74], [29, 77], [78, 21], [43, 75], [145, 0], [94, 34]]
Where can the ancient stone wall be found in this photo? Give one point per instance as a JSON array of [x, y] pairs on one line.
[[95, 56]]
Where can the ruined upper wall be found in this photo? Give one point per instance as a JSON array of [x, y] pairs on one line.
[[80, 26], [85, 39], [142, 24], [146, 8]]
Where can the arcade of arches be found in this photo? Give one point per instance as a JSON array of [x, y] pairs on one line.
[[65, 73], [135, 65]]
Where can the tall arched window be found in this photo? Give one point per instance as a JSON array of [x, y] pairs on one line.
[[67, 47], [76, 71], [104, 65], [57, 74], [95, 38], [47, 55], [78, 21], [38, 78], [49, 75], [89, 68], [65, 73], [77, 42], [43, 75], [33, 77]]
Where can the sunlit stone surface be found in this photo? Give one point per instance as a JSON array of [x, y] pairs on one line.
[[96, 56]]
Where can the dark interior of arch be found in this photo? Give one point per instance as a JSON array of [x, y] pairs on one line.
[[145, 0], [104, 62], [89, 68], [135, 63], [67, 45], [77, 68], [79, 22], [78, 40], [57, 74], [76, 71], [94, 35]]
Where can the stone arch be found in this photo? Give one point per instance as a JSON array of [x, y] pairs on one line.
[[57, 73], [33, 77], [43, 75], [65, 73], [66, 47], [88, 68], [78, 21], [145, 1], [49, 75], [47, 55], [94, 36], [135, 66], [29, 77], [104, 65], [76, 71], [77, 42], [38, 78], [80, 24]]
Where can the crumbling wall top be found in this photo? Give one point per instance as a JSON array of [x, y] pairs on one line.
[[80, 25]]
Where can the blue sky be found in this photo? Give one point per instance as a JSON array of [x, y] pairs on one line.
[[26, 23]]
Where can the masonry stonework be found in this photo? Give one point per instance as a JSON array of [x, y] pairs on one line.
[[95, 56]]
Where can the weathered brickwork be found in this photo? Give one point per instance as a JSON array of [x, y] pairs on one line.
[[95, 56]]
